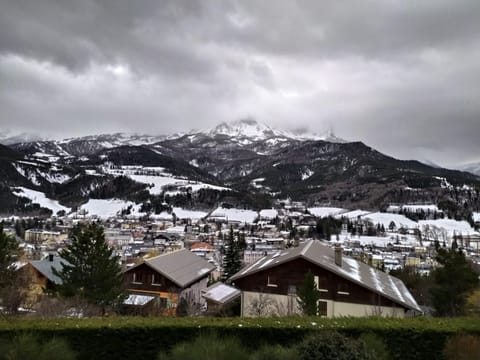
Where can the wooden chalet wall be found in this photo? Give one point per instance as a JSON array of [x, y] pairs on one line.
[[285, 278], [144, 279]]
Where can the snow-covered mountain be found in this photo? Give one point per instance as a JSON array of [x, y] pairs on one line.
[[243, 161], [9, 138], [257, 131], [473, 168], [83, 146]]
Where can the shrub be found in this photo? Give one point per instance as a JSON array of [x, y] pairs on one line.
[[277, 352], [331, 346], [28, 347], [207, 347], [462, 347], [375, 347]]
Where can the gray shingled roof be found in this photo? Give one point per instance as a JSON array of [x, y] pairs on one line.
[[182, 267], [45, 268], [351, 269]]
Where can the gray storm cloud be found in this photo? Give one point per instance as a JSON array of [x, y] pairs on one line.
[[401, 76]]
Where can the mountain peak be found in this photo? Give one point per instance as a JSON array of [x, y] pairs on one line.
[[245, 128]]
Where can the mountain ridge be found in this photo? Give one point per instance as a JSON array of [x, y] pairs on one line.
[[246, 162]]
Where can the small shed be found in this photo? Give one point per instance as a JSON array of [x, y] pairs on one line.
[[219, 297]]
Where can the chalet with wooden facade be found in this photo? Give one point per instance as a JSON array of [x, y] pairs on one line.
[[161, 282], [347, 287], [40, 277]]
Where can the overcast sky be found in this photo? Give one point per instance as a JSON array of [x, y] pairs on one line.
[[402, 76]]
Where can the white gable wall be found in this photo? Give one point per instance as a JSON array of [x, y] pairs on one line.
[[262, 304]]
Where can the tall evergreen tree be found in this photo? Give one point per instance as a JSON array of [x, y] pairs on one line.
[[232, 262], [12, 283], [8, 252], [454, 280], [89, 269], [308, 295]]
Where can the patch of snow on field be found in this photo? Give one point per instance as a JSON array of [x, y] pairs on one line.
[[450, 226], [244, 216], [306, 174], [268, 213], [38, 197], [386, 218], [107, 208], [325, 211], [189, 214]]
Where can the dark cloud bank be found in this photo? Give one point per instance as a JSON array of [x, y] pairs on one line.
[[402, 76]]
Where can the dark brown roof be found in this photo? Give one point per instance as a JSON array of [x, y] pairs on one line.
[[351, 269]]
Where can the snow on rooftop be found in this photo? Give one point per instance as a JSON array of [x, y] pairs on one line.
[[221, 292], [203, 271], [325, 211], [376, 281], [38, 197], [354, 268], [135, 299]]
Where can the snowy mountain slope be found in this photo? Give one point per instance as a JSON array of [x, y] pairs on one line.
[[473, 168], [9, 138], [84, 146], [252, 162]]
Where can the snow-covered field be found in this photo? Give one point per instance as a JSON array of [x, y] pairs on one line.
[[386, 218], [189, 214], [158, 179], [425, 208], [449, 226], [326, 211], [268, 213], [107, 208], [476, 217], [38, 197], [352, 214], [244, 216]]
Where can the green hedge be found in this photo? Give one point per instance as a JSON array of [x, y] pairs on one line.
[[137, 338]]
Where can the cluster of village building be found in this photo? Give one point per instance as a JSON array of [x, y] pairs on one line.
[[169, 259]]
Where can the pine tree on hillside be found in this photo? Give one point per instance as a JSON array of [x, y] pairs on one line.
[[89, 269], [232, 262]]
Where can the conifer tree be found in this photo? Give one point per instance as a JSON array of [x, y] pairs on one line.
[[8, 250], [308, 295], [232, 261], [89, 269], [454, 280]]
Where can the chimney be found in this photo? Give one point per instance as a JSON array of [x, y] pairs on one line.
[[50, 257], [338, 254]]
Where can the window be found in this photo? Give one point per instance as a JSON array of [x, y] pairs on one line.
[[157, 279], [292, 290], [163, 302], [137, 278], [343, 289], [322, 308], [272, 281]]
